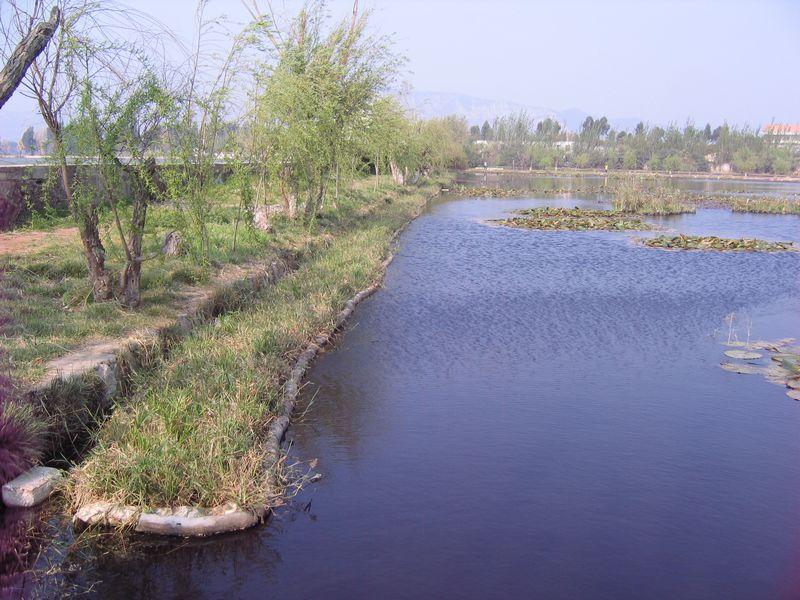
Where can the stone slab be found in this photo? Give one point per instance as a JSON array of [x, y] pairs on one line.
[[33, 487]]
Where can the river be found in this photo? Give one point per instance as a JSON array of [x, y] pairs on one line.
[[530, 414]]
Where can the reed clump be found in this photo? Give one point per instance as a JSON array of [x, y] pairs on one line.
[[643, 195]]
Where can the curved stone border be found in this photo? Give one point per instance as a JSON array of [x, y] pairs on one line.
[[187, 521], [183, 521]]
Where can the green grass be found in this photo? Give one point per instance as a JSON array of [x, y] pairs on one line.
[[193, 433], [48, 294]]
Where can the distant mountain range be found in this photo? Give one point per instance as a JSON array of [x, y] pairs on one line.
[[478, 110]]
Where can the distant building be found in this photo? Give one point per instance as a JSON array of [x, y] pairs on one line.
[[786, 133]]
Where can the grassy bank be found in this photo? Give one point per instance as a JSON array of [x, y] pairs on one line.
[[48, 294], [193, 432]]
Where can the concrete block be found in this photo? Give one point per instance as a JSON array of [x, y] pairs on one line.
[[32, 487]]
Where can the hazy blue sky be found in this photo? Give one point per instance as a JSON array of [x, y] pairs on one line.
[[661, 61]]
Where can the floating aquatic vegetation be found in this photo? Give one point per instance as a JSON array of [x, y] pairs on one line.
[[711, 242], [574, 219], [742, 369], [785, 373], [743, 354]]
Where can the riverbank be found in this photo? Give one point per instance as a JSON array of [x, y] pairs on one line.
[[193, 433], [574, 171]]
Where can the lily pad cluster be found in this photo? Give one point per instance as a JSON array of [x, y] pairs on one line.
[[782, 368], [710, 242], [574, 219]]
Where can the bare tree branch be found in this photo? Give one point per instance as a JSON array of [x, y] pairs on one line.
[[24, 54]]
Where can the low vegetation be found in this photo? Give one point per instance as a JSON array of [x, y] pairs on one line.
[[696, 242], [574, 219]]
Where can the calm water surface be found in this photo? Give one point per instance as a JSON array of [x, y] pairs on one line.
[[535, 414]]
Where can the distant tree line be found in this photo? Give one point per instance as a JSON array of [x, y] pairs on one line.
[[519, 141]]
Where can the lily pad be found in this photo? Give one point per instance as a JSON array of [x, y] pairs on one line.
[[793, 383], [793, 394], [743, 354], [741, 369]]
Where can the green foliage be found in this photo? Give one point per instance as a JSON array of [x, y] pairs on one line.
[[318, 99]]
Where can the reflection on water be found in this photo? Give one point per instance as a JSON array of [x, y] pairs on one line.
[[530, 413]]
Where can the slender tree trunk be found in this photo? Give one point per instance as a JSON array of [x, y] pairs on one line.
[[336, 198], [131, 277], [398, 174], [314, 200], [85, 216]]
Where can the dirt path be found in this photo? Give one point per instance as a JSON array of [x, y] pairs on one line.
[[26, 242]]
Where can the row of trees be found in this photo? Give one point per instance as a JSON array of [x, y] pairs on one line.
[[296, 109], [520, 141]]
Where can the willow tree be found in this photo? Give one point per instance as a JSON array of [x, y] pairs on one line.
[[114, 136], [197, 129], [93, 27], [318, 95]]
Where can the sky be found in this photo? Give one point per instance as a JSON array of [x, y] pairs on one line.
[[660, 61]]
